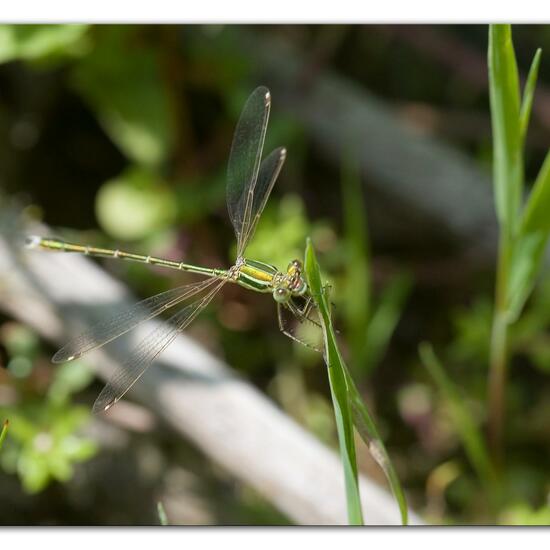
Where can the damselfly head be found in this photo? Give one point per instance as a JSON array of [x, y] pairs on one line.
[[295, 266], [296, 283]]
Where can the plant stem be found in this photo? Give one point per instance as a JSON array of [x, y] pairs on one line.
[[498, 361]]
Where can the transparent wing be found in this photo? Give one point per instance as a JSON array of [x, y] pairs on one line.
[[244, 161], [107, 330], [269, 172], [149, 348]]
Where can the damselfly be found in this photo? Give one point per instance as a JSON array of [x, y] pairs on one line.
[[249, 183]]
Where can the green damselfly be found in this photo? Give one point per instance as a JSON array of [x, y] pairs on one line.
[[249, 183]]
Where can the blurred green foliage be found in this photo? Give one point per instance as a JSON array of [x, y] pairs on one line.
[[147, 143], [132, 206], [45, 425], [129, 98], [42, 43]]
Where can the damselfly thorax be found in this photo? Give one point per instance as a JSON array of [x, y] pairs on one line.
[[262, 277]]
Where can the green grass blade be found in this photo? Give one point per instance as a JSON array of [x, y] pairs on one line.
[[384, 320], [468, 431], [526, 264], [339, 390], [4, 432], [162, 513], [505, 117], [365, 426], [350, 409], [356, 299], [528, 95], [531, 243], [535, 215]]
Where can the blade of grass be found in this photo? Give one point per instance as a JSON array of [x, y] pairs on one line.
[[505, 119], [384, 320], [535, 214], [527, 261], [357, 291], [508, 184], [339, 390], [162, 513], [531, 243], [366, 428], [4, 432], [350, 410], [468, 431], [528, 95]]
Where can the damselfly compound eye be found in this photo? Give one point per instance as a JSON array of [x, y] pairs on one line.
[[281, 295]]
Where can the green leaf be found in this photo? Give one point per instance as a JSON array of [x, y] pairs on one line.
[[349, 408], [536, 212], [339, 390], [4, 432], [528, 255], [69, 378], [531, 243], [365, 426], [528, 95], [33, 470], [41, 42], [357, 290], [77, 449], [122, 81], [468, 431], [505, 117], [384, 320], [162, 513], [135, 204]]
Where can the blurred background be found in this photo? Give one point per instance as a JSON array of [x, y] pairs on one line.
[[119, 136]]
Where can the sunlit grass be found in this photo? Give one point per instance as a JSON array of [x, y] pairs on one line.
[[4, 432], [349, 409]]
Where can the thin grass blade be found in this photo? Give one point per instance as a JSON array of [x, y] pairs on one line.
[[529, 94], [4, 432], [384, 320], [348, 398], [161, 512], [531, 243], [469, 432], [339, 391], [505, 117], [357, 292], [366, 428], [535, 215]]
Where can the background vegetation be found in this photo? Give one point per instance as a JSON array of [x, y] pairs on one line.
[[119, 136]]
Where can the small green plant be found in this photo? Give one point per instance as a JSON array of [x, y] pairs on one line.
[[44, 440], [161, 512], [524, 228], [349, 408], [494, 332], [468, 430]]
